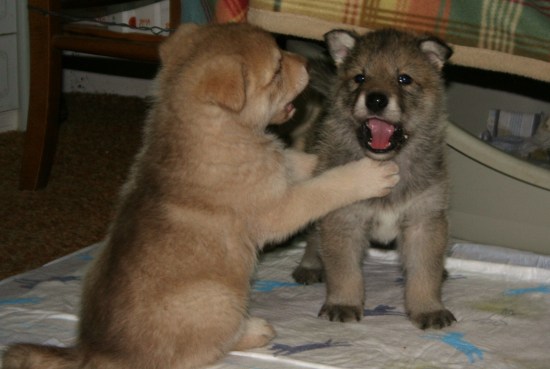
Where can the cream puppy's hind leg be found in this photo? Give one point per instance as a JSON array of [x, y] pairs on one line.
[[257, 333]]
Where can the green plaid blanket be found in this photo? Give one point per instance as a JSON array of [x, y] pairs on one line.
[[519, 27]]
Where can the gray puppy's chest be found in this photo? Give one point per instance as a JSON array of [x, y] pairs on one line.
[[383, 224]]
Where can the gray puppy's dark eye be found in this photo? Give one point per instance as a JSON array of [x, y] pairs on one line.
[[404, 79], [360, 78]]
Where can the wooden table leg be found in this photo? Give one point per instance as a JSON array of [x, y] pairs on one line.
[[44, 96]]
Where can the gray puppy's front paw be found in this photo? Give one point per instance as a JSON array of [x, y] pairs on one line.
[[341, 313], [434, 319]]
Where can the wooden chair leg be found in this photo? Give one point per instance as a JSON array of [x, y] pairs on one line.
[[44, 97]]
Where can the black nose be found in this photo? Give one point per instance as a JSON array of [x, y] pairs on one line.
[[376, 101]]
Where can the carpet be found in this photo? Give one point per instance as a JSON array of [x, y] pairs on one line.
[[97, 142]]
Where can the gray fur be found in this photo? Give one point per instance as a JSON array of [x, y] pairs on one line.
[[415, 212]]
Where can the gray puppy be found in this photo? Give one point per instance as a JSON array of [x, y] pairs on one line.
[[386, 101]]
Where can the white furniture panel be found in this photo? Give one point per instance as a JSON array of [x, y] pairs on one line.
[[7, 16], [8, 72]]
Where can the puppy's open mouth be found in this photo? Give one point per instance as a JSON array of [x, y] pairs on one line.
[[284, 114], [380, 136], [290, 109]]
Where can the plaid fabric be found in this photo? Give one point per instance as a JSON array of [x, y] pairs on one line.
[[520, 27], [217, 11]]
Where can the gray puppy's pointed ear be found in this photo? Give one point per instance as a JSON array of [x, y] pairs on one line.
[[339, 43], [438, 52]]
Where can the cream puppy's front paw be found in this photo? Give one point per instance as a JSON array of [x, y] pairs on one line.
[[374, 178]]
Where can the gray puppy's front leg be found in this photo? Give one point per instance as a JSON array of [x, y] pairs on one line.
[[423, 246], [342, 252]]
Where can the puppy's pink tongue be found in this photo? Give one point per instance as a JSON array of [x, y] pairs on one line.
[[381, 133], [289, 107]]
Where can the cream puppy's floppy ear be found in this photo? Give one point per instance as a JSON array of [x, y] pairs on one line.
[[222, 82]]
